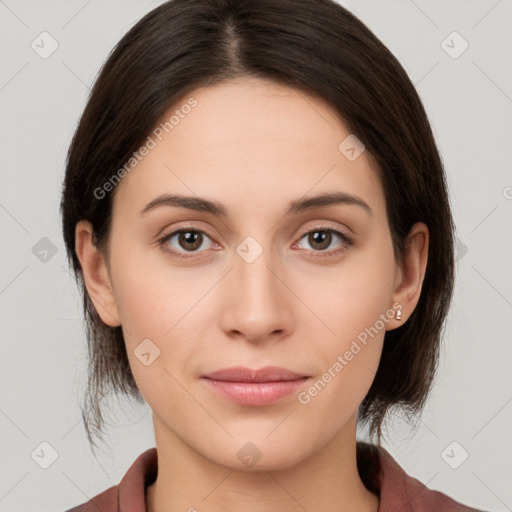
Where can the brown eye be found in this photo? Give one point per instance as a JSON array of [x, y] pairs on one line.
[[184, 240], [321, 240], [190, 240]]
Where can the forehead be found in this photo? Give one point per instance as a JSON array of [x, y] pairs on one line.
[[248, 143]]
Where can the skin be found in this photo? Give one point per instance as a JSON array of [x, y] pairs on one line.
[[254, 146]]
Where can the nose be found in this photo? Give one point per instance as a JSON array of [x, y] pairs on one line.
[[258, 305]]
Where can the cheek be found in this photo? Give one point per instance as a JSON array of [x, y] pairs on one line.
[[335, 395], [354, 306], [346, 362], [350, 297], [151, 295], [160, 311]]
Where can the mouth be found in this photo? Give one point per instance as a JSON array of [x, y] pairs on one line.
[[255, 387]]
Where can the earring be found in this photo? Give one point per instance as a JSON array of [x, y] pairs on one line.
[[398, 315]]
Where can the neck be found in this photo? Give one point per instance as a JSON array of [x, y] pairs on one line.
[[325, 480]]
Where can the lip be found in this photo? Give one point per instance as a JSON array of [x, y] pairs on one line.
[[255, 387], [243, 374]]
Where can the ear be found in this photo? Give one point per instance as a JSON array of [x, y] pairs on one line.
[[409, 276], [96, 274]]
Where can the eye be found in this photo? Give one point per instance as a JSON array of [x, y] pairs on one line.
[[185, 240], [190, 240], [322, 237]]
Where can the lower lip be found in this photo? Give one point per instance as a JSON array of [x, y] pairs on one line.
[[255, 393]]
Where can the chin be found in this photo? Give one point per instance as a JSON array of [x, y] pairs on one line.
[[258, 455]]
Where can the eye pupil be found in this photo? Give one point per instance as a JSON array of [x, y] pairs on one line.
[[190, 237], [320, 237]]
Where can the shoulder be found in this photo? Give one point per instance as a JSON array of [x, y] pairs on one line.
[[106, 501], [131, 491], [398, 490]]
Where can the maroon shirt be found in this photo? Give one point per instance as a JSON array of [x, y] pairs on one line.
[[397, 491]]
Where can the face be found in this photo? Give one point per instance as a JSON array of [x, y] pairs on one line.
[[309, 290]]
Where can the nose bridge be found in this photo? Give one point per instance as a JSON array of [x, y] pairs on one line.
[[253, 261], [256, 306]]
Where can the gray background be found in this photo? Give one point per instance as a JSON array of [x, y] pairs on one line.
[[43, 362]]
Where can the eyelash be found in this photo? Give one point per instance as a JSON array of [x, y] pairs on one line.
[[347, 241]]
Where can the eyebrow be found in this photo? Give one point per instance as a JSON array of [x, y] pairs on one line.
[[294, 207]]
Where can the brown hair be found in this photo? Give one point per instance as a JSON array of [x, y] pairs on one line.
[[315, 46]]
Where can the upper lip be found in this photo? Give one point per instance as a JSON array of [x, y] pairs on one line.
[[243, 374]]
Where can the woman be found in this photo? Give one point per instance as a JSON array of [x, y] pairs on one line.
[[257, 214]]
